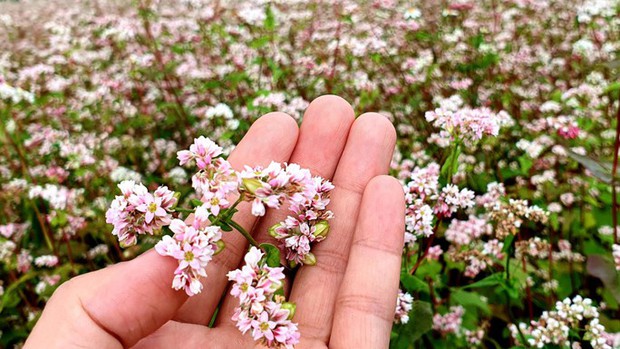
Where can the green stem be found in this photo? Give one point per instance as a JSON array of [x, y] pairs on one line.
[[453, 161], [243, 232], [508, 267]]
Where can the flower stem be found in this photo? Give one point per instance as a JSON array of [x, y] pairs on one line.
[[243, 232]]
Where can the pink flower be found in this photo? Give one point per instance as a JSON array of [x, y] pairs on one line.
[[434, 252], [203, 150], [255, 285], [449, 322], [138, 212], [46, 261], [193, 248], [404, 304], [215, 201], [151, 207], [467, 124]]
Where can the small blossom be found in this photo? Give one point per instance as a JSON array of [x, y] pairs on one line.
[[404, 304], [193, 246]]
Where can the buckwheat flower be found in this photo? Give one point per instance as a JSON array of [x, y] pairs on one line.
[[99, 250], [404, 304], [215, 201], [46, 261], [138, 212], [203, 150], [273, 328], [418, 221], [449, 322], [24, 261], [151, 206], [219, 109], [7, 249], [260, 310], [13, 230], [216, 183], [466, 124], [412, 13], [463, 232], [576, 315], [193, 246], [309, 222], [451, 199], [265, 186], [434, 252]]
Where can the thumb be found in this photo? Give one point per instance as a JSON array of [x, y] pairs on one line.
[[111, 308]]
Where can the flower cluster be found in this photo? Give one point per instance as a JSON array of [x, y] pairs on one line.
[[14, 94], [89, 101], [449, 322], [307, 225], [193, 246], [468, 125], [261, 310], [463, 232], [307, 198], [404, 304], [216, 181], [138, 212], [510, 216], [554, 327], [425, 201], [477, 257]]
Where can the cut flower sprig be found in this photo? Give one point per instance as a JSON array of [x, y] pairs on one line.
[[195, 241]]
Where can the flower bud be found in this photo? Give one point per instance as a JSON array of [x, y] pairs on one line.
[[321, 229], [273, 230], [177, 196], [309, 259], [221, 245], [251, 184], [291, 307]]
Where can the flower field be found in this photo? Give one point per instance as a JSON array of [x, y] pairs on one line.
[[507, 115]]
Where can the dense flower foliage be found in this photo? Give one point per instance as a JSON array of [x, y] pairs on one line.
[[507, 117]]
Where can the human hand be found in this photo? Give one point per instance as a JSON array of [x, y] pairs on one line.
[[346, 300]]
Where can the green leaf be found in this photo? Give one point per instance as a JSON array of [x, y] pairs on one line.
[[270, 19], [600, 170], [451, 166], [10, 295], [491, 280], [272, 254], [465, 299], [614, 86], [508, 243], [196, 202], [605, 270], [421, 319], [413, 284], [420, 322]]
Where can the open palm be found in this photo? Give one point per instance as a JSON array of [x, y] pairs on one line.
[[346, 300]]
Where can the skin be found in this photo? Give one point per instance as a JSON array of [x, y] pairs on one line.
[[346, 300]]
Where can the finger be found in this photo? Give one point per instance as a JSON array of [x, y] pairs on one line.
[[321, 142], [181, 335], [368, 154], [367, 298], [271, 138], [113, 307]]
